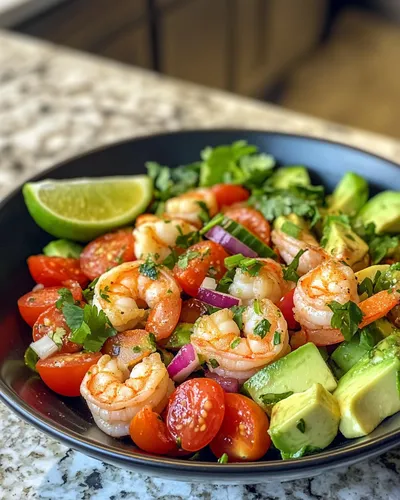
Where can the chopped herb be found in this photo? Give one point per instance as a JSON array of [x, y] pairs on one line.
[[262, 328], [238, 315], [212, 309], [277, 338], [58, 336], [65, 297], [178, 442], [169, 291], [250, 265], [119, 259], [195, 457], [153, 340], [136, 348], [366, 286], [217, 219], [204, 214], [291, 229], [104, 295], [89, 292], [185, 258], [235, 343], [31, 358], [390, 291], [346, 317], [301, 425], [214, 363], [223, 459], [31, 299], [187, 240], [290, 272], [257, 307], [171, 259], [149, 269], [380, 245], [226, 281], [271, 399]]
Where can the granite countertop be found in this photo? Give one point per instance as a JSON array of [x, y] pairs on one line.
[[55, 103]]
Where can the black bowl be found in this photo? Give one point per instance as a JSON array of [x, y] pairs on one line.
[[68, 420]]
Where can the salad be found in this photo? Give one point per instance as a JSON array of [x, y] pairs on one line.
[[228, 304]]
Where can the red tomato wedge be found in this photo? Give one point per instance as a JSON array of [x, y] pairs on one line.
[[203, 259], [33, 304], [48, 322], [195, 413], [253, 220], [64, 373], [53, 271], [378, 306], [286, 305], [228, 194], [243, 434], [149, 432], [106, 252]]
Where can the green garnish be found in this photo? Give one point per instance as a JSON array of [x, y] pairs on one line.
[[366, 286], [235, 343], [171, 259], [217, 219], [58, 335], [291, 229], [149, 269], [31, 358], [103, 293], [223, 459], [238, 315], [277, 338], [257, 307], [89, 291], [290, 272], [301, 425], [136, 349], [185, 258], [187, 240], [262, 328], [250, 265], [346, 317], [214, 363], [204, 214]]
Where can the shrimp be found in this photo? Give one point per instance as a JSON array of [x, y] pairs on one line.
[[114, 396], [288, 247], [218, 339], [155, 236], [330, 281], [268, 284], [123, 291], [188, 206]]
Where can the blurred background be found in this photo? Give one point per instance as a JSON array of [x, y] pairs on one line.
[[335, 59]]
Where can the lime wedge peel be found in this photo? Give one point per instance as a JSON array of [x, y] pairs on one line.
[[82, 209]]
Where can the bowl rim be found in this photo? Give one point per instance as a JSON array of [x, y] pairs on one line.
[[158, 464]]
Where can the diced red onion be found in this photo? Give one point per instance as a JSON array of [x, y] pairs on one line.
[[37, 287], [44, 347], [209, 283], [229, 242], [183, 364], [217, 299], [228, 384]]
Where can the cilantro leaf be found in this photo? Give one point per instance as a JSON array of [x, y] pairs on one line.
[[187, 240], [88, 293], [290, 272], [226, 281], [346, 317], [149, 269], [301, 425], [238, 315], [380, 245], [277, 338], [366, 286], [185, 258], [171, 259], [65, 297]]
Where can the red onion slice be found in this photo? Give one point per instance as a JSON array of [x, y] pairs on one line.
[[183, 364], [229, 242], [228, 384], [217, 299]]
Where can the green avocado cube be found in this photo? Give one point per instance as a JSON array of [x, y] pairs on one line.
[[384, 211], [304, 423], [286, 177], [349, 195], [296, 372], [63, 248]]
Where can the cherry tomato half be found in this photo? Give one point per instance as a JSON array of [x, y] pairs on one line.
[[48, 322], [286, 305], [32, 304], [228, 194], [195, 413], [53, 271], [253, 220], [106, 252], [149, 432], [203, 259], [243, 434], [64, 373]]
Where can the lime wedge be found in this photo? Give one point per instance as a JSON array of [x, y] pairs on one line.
[[81, 209]]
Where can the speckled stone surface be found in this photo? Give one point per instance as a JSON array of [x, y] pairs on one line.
[[56, 103]]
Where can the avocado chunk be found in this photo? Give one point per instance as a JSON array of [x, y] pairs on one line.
[[286, 177], [63, 248], [304, 423], [294, 219], [384, 211], [340, 241], [296, 372], [180, 336], [349, 195], [369, 391]]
